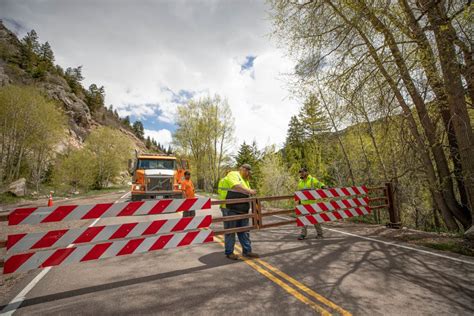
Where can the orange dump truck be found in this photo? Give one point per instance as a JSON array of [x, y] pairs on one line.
[[157, 176]]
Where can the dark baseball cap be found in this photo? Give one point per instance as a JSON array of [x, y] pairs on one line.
[[303, 170]]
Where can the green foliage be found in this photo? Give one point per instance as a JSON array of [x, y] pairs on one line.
[[74, 77], [111, 151], [249, 154], [75, 170], [275, 178], [95, 97], [30, 127], [97, 164], [139, 131], [205, 135], [36, 58], [295, 134], [305, 142], [126, 121], [312, 121], [148, 143], [30, 51]]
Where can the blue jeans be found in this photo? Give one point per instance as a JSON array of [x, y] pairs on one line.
[[244, 237]]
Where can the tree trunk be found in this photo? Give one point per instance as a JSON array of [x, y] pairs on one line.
[[455, 92], [429, 64], [445, 180], [432, 179]]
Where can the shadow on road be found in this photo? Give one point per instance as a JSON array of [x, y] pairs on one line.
[[348, 270], [212, 260]]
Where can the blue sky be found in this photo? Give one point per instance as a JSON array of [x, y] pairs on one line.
[[248, 64]]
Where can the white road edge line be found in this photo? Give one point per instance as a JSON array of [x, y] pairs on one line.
[[16, 302], [392, 243]]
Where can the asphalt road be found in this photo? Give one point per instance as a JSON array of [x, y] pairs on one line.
[[340, 275]]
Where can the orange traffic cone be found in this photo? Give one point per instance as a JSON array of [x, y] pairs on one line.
[[50, 200]]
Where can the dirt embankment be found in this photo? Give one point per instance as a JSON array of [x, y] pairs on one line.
[[440, 241]]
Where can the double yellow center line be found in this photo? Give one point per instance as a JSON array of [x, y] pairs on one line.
[[300, 291]]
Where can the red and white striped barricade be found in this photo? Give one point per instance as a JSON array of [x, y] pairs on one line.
[[64, 246], [339, 203]]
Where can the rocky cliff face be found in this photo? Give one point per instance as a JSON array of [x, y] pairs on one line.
[[56, 88]]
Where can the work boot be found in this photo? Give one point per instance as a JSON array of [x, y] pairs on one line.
[[251, 255], [319, 237], [232, 256], [301, 237]]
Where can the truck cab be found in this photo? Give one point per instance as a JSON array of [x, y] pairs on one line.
[[157, 176]]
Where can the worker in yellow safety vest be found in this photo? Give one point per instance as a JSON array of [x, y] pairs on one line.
[[308, 182], [236, 185]]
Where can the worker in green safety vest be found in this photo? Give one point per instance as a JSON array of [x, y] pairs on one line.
[[236, 185], [308, 182]]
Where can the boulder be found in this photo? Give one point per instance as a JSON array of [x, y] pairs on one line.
[[18, 188]]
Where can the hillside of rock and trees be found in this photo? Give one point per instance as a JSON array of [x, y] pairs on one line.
[[56, 134]]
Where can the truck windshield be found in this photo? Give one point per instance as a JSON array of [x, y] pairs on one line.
[[156, 164]]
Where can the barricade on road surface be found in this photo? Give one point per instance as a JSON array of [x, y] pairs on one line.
[[333, 210], [63, 246], [333, 205], [318, 194], [62, 238], [331, 216], [37, 215], [47, 258], [28, 251]]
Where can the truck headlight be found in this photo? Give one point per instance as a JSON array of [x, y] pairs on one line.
[[137, 187]]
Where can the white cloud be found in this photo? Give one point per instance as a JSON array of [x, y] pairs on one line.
[[162, 136], [143, 51]]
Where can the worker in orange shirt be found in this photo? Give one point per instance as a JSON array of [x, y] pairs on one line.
[[187, 187]]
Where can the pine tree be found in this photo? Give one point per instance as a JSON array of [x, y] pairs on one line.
[[249, 154], [46, 54], [30, 50], [95, 97], [295, 134], [303, 147], [44, 61], [138, 130], [126, 121], [148, 143], [312, 119], [74, 77], [59, 70]]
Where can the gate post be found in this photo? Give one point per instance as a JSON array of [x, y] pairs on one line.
[[255, 217], [258, 212], [392, 206]]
